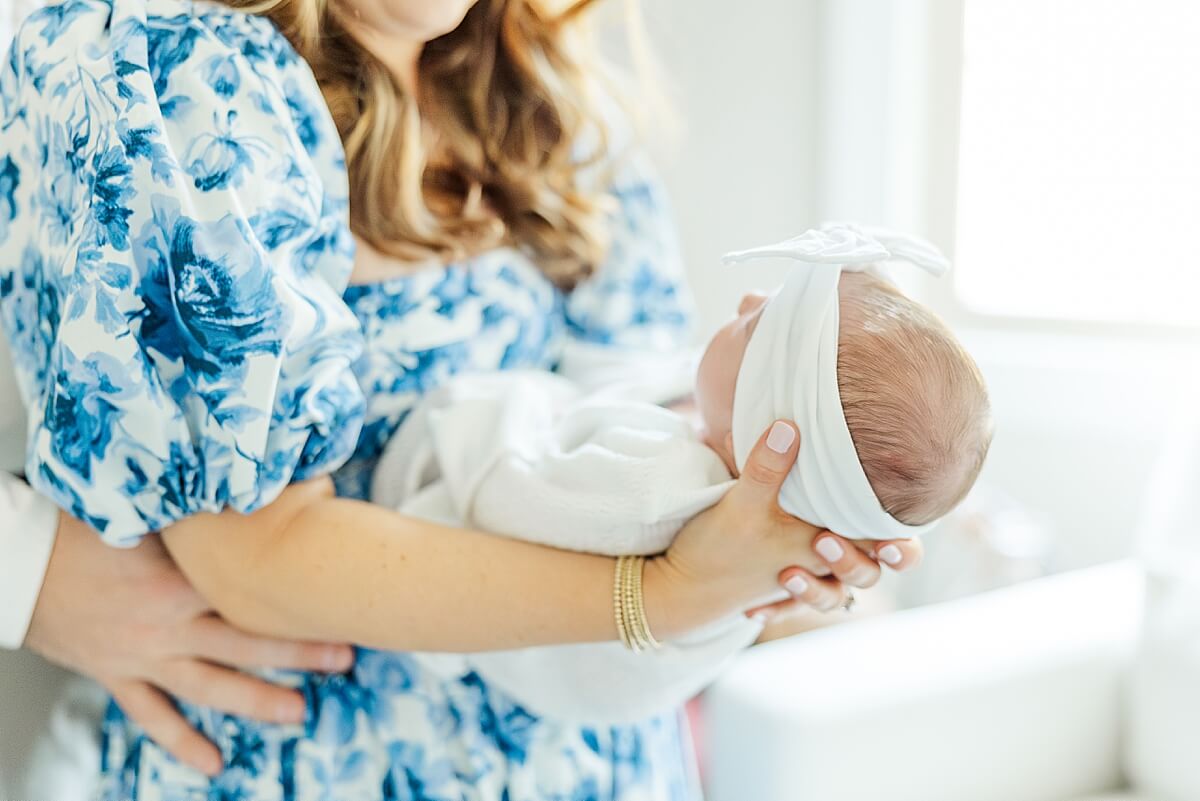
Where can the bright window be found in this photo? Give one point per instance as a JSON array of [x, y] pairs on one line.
[[1079, 172]]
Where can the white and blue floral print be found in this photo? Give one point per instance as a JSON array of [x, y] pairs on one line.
[[174, 267], [160, 281]]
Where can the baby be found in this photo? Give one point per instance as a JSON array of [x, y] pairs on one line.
[[877, 384], [894, 423]]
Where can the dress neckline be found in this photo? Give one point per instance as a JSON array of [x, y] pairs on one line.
[[402, 280]]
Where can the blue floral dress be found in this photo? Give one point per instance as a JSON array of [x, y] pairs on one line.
[[174, 267]]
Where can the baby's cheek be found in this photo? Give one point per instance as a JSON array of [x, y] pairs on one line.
[[718, 382]]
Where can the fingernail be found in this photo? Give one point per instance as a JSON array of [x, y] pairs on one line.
[[796, 585], [759, 617], [829, 549], [781, 437], [890, 554]]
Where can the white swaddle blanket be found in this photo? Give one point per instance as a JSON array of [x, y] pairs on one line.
[[530, 456]]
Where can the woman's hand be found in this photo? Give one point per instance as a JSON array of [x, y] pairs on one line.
[[131, 621], [732, 556], [855, 562], [743, 549]]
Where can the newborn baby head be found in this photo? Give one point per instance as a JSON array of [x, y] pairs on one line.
[[914, 401]]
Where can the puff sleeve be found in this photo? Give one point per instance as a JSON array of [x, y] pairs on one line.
[[173, 248]]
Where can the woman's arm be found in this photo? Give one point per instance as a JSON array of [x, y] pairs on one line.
[[312, 562], [313, 566]]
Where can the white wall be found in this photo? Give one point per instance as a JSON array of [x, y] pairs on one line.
[[745, 168], [784, 105]]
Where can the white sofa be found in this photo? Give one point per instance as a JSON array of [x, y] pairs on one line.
[[1015, 695]]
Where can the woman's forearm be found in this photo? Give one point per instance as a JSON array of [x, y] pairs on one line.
[[314, 566]]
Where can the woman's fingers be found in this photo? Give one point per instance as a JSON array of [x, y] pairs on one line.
[[847, 562], [213, 639], [230, 691], [899, 555], [768, 465], [162, 722], [769, 612], [823, 594]]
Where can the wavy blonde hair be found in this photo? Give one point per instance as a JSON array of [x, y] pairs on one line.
[[488, 151]]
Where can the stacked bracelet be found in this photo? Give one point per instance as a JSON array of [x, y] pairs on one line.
[[629, 605]]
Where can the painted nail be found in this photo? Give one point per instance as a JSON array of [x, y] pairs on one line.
[[830, 550], [781, 437], [796, 585], [760, 618], [890, 554]]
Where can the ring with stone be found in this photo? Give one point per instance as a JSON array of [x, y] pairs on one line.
[[848, 604]]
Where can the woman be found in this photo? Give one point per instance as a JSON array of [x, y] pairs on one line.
[[194, 334]]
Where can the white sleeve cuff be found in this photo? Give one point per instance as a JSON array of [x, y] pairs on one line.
[[28, 523]]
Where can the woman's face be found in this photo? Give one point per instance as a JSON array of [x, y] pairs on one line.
[[412, 20]]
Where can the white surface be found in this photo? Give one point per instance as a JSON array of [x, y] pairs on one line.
[[1009, 696], [1165, 699], [27, 527], [1079, 418], [12, 415], [37, 699]]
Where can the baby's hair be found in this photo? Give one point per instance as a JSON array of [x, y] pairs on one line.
[[914, 400]]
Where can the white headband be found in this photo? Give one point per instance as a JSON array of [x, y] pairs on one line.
[[790, 372]]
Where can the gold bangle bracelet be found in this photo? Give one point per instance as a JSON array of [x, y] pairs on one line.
[[623, 620], [629, 604], [619, 605], [640, 598]]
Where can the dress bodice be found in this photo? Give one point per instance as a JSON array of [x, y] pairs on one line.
[[494, 312]]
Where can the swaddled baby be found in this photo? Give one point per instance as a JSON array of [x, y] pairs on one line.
[[894, 423], [890, 407]]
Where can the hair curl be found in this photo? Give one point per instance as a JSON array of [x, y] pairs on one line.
[[486, 154]]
